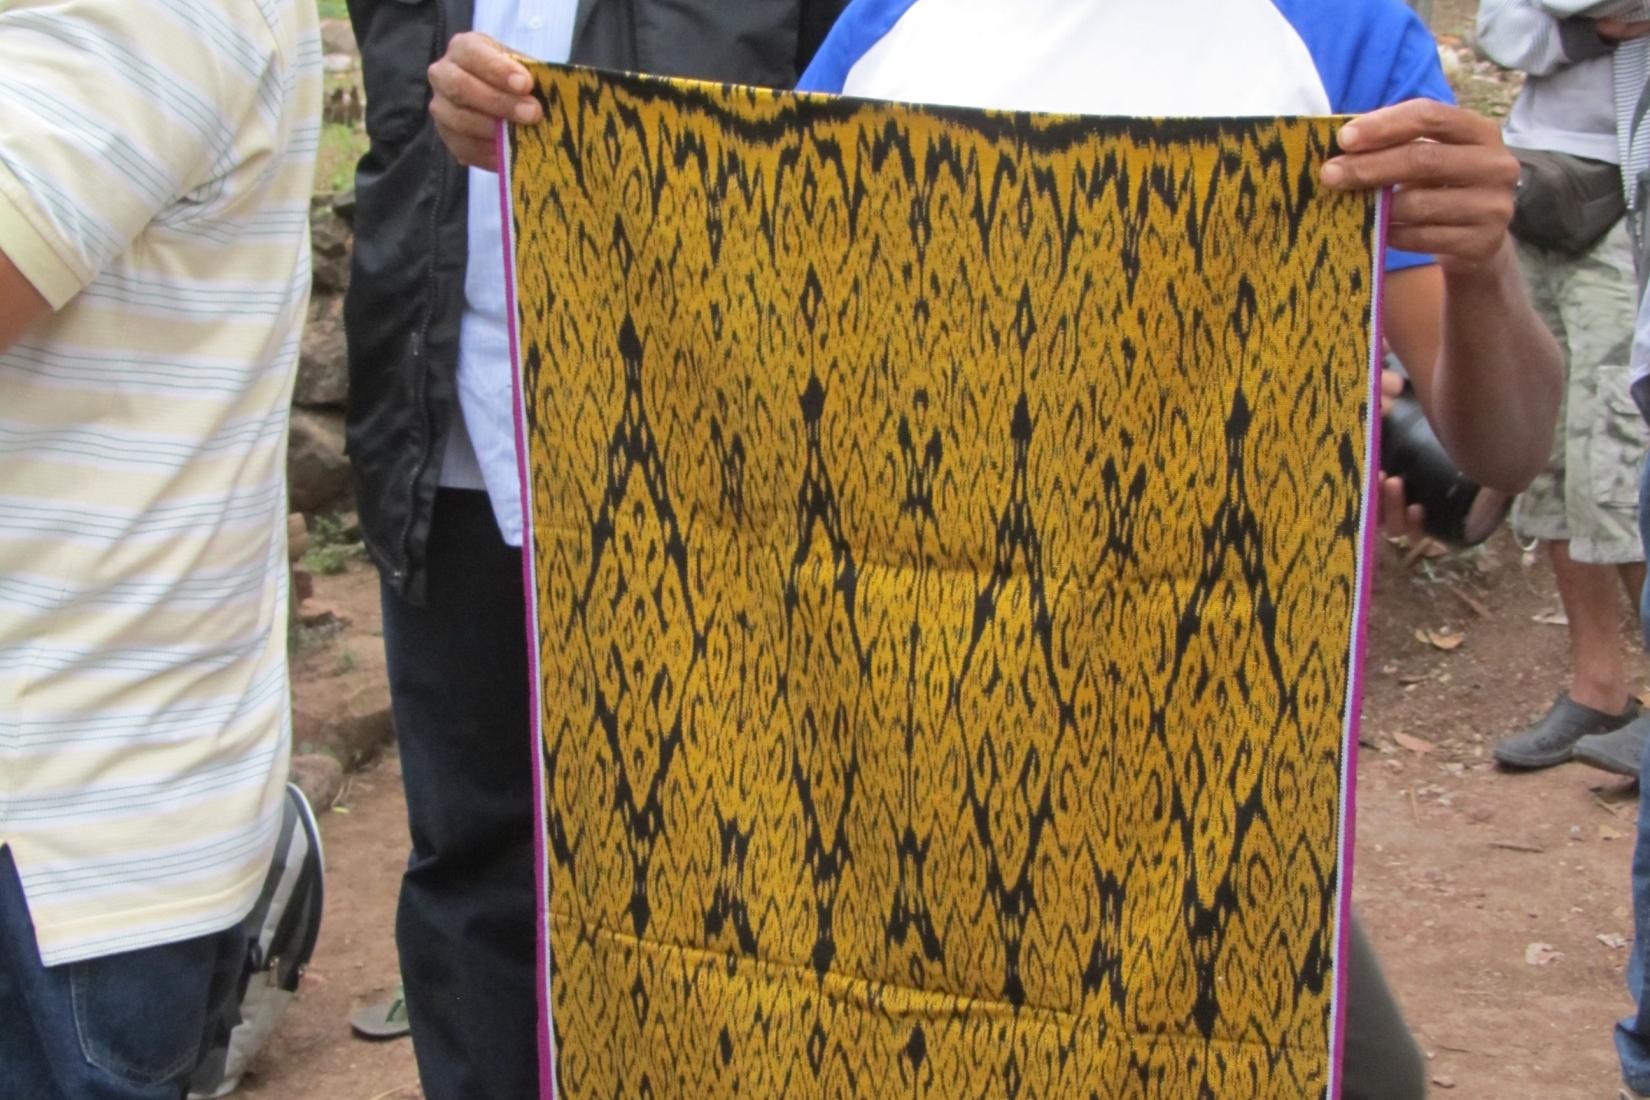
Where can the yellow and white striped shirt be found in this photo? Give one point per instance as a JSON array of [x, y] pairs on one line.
[[156, 163]]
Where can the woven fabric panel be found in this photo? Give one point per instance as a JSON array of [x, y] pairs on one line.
[[947, 538]]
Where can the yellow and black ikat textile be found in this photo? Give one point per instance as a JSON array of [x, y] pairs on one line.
[[946, 533]]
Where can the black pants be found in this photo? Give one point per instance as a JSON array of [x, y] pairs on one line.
[[468, 911], [466, 925], [1381, 1060]]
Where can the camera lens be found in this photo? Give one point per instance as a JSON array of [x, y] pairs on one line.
[[1457, 509]]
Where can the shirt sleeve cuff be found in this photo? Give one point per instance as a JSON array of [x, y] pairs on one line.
[[30, 249], [1399, 260]]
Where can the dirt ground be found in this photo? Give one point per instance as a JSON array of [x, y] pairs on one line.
[[1454, 16], [1460, 867]]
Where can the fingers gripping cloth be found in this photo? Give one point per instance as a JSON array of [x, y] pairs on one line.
[[948, 542]]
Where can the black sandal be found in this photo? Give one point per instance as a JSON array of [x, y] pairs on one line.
[[1552, 740]]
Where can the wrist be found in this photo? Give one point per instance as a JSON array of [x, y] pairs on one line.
[[1487, 274], [1488, 287]]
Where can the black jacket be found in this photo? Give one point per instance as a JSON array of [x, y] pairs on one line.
[[406, 290]]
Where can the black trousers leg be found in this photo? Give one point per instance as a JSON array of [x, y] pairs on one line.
[[1381, 1060], [466, 924]]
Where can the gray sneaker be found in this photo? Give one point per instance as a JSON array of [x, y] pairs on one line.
[[1551, 740], [1619, 751]]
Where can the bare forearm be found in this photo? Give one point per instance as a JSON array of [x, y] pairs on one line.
[[1486, 370], [1494, 395], [20, 304]]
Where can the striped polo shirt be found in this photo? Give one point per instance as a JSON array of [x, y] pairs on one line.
[[156, 164]]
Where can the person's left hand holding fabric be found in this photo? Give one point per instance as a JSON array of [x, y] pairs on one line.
[[1490, 376]]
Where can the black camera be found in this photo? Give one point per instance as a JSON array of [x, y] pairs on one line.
[[1458, 510]]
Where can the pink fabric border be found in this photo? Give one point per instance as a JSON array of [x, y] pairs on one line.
[[1360, 640], [547, 1058]]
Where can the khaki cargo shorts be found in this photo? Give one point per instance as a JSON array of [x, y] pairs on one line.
[[1588, 494]]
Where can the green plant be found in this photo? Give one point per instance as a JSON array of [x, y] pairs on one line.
[[332, 9], [328, 561], [327, 530], [341, 148], [303, 639], [331, 549]]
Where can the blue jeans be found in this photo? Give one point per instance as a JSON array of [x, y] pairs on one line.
[[1633, 1033], [120, 1027], [467, 923]]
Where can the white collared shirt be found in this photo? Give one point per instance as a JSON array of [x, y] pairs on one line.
[[481, 449]]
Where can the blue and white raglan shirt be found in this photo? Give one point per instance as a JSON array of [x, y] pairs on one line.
[[1136, 57]]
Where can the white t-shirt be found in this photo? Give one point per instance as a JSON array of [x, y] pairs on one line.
[[1136, 57]]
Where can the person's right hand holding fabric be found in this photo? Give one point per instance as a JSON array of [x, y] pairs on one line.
[[476, 85]]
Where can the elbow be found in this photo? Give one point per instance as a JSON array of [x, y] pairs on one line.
[[1506, 470], [1511, 475], [1508, 453]]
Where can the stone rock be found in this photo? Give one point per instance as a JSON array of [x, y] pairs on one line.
[[321, 778], [342, 709], [351, 723], [330, 238], [323, 359], [1450, 60], [343, 205], [297, 536], [338, 37], [338, 63], [318, 474], [313, 613], [362, 727]]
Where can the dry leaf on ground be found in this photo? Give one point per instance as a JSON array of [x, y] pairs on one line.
[[1446, 640], [1414, 744]]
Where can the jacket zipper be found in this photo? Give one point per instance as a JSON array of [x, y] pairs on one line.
[[422, 336]]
